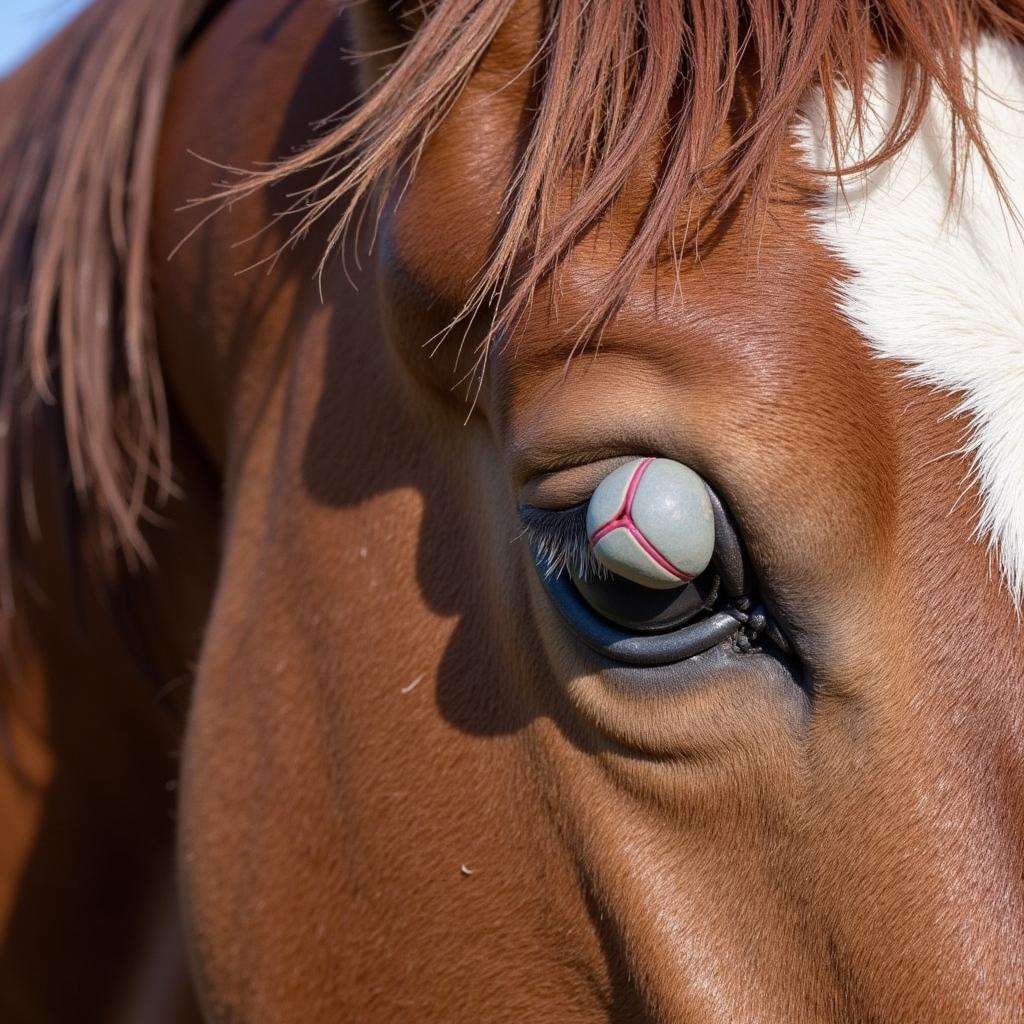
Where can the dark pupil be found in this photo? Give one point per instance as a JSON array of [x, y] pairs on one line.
[[645, 610]]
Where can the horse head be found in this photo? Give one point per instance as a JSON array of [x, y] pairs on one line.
[[428, 773]]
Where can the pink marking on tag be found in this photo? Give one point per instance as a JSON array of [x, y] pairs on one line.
[[624, 519], [655, 554]]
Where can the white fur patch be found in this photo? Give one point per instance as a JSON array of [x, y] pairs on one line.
[[940, 289]]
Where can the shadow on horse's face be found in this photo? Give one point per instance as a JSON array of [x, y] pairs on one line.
[[411, 793]]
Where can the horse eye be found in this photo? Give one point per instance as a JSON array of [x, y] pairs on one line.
[[666, 578]]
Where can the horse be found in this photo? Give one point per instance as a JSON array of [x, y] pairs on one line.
[[321, 324]]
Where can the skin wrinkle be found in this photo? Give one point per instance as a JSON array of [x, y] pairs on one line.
[[732, 847]]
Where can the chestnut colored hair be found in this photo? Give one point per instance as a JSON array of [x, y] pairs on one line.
[[612, 82], [80, 385]]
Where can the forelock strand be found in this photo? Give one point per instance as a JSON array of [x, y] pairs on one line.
[[614, 82]]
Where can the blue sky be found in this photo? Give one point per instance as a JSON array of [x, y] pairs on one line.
[[26, 24]]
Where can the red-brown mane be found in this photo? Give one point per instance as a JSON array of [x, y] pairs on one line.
[[79, 363], [79, 360]]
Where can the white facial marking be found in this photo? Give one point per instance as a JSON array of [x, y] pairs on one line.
[[941, 288]]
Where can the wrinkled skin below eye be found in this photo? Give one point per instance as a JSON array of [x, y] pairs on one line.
[[618, 664]]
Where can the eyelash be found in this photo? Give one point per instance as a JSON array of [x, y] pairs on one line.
[[559, 541]]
